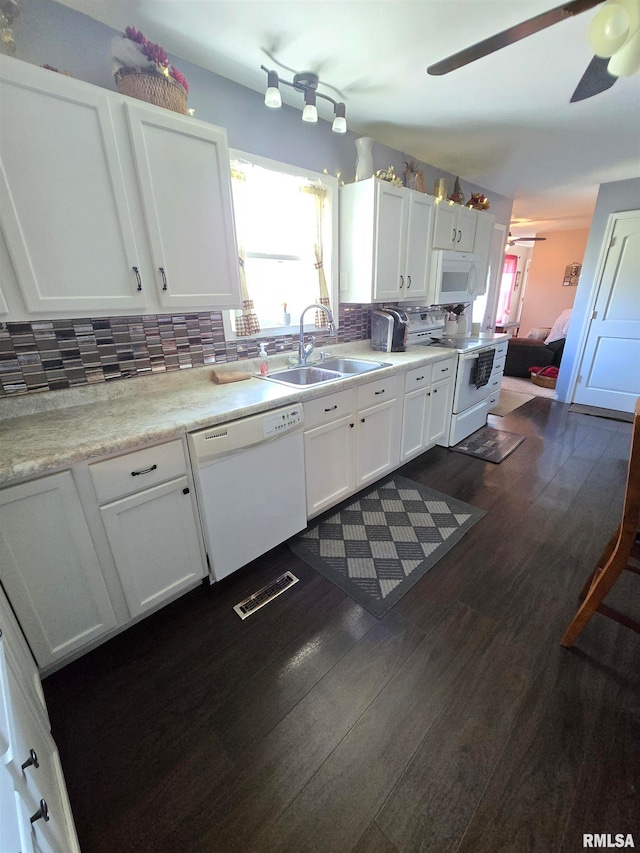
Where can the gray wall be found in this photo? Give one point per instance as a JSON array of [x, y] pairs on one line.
[[613, 197], [47, 32]]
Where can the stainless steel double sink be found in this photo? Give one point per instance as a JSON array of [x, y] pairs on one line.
[[325, 371]]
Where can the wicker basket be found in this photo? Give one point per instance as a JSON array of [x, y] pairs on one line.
[[544, 381], [152, 88]]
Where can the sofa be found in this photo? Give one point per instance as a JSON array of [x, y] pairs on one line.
[[542, 347]]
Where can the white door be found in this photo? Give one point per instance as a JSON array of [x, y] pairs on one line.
[[609, 373], [63, 203], [414, 422], [440, 411], [420, 216], [390, 242], [329, 463], [445, 230], [49, 567], [466, 236], [154, 540], [185, 182], [378, 445], [486, 306]]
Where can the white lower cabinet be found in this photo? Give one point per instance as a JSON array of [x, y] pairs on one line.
[[35, 815], [352, 441], [154, 540], [149, 514], [49, 567], [427, 407], [377, 429]]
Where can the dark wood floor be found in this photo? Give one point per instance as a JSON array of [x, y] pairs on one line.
[[456, 723]]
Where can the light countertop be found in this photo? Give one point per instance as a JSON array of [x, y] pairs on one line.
[[46, 432]]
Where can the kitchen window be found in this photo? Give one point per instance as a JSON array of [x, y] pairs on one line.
[[286, 225]]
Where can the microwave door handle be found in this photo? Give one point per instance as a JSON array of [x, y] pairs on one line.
[[473, 276]]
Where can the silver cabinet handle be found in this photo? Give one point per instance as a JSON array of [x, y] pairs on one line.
[[43, 812], [139, 280], [145, 471], [164, 278], [32, 761]]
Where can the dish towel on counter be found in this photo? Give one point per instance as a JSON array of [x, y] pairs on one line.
[[482, 368]]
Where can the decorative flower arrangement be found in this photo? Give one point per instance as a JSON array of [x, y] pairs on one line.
[[389, 175], [133, 51], [478, 201]]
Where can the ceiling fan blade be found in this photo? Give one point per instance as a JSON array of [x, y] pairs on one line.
[[595, 79], [512, 35]]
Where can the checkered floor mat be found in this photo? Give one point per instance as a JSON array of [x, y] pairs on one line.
[[380, 544]]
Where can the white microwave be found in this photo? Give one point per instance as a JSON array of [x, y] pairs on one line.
[[453, 277]]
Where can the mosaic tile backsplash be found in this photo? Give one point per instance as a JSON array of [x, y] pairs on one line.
[[47, 355]]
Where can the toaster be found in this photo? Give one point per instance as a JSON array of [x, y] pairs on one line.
[[389, 330]]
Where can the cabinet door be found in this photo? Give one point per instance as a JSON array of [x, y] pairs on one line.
[[466, 226], [440, 412], [482, 248], [390, 242], [35, 768], [154, 539], [378, 449], [49, 568], [63, 205], [420, 219], [185, 182], [329, 464], [415, 421], [445, 228]]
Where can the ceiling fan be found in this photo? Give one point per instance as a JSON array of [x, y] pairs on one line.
[[614, 36], [513, 240]]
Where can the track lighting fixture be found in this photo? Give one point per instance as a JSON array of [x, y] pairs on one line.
[[272, 96], [307, 83]]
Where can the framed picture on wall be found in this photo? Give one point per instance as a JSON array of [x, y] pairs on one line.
[[572, 275]]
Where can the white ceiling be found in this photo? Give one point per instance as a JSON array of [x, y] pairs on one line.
[[503, 122]]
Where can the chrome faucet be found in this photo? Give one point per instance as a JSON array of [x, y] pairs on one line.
[[304, 351]]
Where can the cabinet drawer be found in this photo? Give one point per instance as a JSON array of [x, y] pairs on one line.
[[377, 392], [328, 408], [498, 364], [501, 348], [444, 369], [132, 472], [417, 377]]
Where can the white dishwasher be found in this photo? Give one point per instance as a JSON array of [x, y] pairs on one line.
[[250, 485]]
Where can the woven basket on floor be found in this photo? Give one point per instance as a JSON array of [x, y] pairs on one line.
[[544, 381], [152, 88]]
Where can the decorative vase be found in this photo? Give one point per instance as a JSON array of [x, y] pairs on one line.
[[364, 158], [9, 11]]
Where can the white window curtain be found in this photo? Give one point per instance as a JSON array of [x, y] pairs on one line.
[[246, 320], [318, 195]]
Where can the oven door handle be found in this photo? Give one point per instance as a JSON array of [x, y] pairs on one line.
[[470, 357]]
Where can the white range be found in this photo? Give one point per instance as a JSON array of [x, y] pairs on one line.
[[478, 375]]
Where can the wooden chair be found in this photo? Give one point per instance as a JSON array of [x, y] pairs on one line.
[[615, 557]]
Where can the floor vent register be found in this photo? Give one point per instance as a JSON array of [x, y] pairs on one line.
[[265, 595]]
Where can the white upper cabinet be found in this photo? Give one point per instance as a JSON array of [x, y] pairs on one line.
[[482, 249], [108, 205], [385, 242], [183, 173], [455, 227], [63, 204]]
